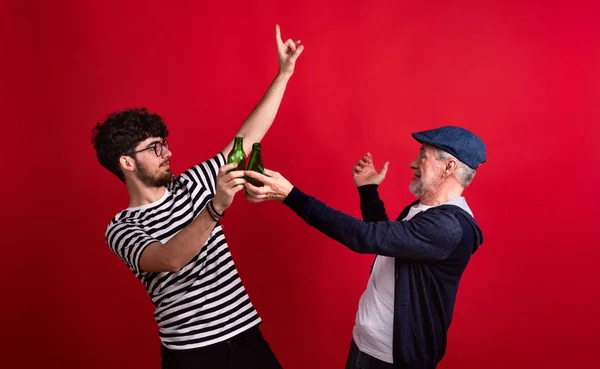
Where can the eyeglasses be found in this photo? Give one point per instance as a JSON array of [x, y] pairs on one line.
[[156, 146]]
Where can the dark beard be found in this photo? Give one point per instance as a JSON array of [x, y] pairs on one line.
[[144, 175]]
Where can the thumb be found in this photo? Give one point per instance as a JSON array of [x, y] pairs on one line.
[[256, 175], [269, 173], [384, 169]]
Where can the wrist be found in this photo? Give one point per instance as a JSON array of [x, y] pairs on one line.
[[287, 191], [368, 191], [214, 211], [284, 74], [220, 209], [296, 199]]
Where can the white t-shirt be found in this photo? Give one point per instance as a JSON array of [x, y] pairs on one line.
[[373, 331]]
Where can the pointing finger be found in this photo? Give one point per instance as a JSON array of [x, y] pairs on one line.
[[278, 35]]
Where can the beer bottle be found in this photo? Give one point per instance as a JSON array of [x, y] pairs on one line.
[[255, 163], [237, 154]]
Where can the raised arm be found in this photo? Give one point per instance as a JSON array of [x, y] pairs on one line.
[[367, 180], [260, 119]]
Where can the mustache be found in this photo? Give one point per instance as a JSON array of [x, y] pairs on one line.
[[165, 162]]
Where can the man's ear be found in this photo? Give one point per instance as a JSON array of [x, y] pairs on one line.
[[127, 163], [450, 167]]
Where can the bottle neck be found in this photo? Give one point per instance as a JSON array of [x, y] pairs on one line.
[[238, 145], [255, 155]]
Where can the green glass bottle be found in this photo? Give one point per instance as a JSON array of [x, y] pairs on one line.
[[255, 163], [237, 154]]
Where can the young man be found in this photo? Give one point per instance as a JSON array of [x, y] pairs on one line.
[[405, 312], [171, 239]]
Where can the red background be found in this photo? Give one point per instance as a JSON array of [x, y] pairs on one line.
[[523, 75]]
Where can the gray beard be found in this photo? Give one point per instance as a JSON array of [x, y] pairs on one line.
[[416, 187]]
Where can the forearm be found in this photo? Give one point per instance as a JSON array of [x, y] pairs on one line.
[[260, 119], [371, 206], [188, 242]]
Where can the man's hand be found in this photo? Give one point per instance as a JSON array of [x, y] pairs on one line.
[[364, 172], [276, 187], [287, 52], [227, 186]]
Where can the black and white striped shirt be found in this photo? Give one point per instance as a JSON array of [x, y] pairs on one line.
[[205, 302]]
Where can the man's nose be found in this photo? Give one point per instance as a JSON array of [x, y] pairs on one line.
[[413, 164]]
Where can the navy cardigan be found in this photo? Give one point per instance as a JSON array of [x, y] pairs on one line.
[[431, 251]]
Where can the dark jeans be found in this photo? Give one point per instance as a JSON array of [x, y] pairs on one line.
[[248, 350], [360, 360]]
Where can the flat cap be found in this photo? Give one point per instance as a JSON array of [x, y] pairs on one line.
[[456, 141]]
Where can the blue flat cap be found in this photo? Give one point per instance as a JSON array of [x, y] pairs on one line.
[[458, 142]]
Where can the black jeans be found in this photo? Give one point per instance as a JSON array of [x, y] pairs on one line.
[[248, 350], [360, 360]]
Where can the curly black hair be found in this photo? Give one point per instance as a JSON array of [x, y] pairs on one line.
[[121, 132]]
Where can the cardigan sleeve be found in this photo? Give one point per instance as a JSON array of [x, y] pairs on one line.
[[371, 205], [431, 235]]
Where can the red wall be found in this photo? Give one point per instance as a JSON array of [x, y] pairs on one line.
[[524, 75]]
